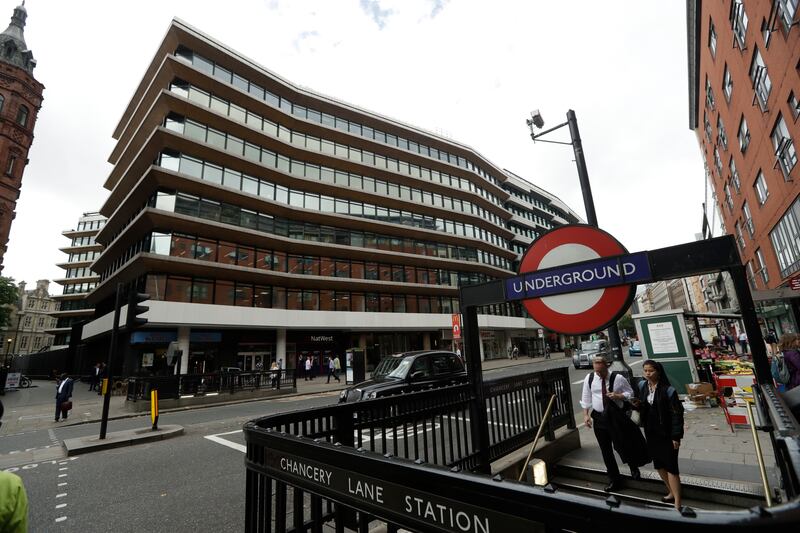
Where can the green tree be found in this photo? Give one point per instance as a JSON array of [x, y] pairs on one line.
[[626, 323], [8, 297]]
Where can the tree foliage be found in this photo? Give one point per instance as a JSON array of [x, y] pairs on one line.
[[8, 297]]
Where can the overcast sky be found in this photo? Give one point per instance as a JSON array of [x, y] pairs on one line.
[[471, 70]]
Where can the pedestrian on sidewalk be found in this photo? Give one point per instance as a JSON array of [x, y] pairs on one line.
[[94, 378], [63, 397], [276, 372], [601, 389], [332, 370], [337, 367], [547, 350], [742, 342], [790, 347], [662, 417], [730, 343], [515, 352], [308, 368]]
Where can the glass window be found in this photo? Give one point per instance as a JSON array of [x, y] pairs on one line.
[[212, 173], [783, 145], [22, 116], [244, 295], [182, 246], [205, 250], [760, 78], [326, 300], [326, 266], [203, 291], [762, 193], [160, 243], [278, 297], [191, 167], [179, 289], [187, 205], [279, 261], [227, 253], [262, 296], [293, 300], [744, 135], [224, 293]]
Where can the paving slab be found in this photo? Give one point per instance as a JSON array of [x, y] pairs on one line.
[[118, 439]]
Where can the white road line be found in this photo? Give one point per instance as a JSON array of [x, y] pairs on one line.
[[62, 475], [61, 518], [61, 495], [639, 362], [61, 505], [63, 483], [63, 468], [578, 382], [62, 463], [216, 438]]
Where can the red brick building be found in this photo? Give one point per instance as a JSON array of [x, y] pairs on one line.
[[20, 100], [744, 87]]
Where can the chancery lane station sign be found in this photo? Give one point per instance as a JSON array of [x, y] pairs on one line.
[[577, 279]]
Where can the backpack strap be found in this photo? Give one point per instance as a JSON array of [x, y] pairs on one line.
[[611, 379], [591, 378]]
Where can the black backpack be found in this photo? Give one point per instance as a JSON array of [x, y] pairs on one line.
[[611, 379]]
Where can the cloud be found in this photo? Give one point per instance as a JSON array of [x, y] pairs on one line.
[[438, 5], [304, 36], [374, 10]]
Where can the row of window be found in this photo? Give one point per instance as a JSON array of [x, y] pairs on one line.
[[79, 288], [83, 241], [80, 272], [531, 199], [785, 237], [22, 112], [525, 232], [529, 215], [296, 198], [220, 292], [90, 224], [258, 154], [37, 343], [83, 256], [305, 113], [37, 303], [230, 214], [74, 305], [42, 322], [306, 141], [192, 247]]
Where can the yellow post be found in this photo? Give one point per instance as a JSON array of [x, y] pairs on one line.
[[154, 408], [105, 386]]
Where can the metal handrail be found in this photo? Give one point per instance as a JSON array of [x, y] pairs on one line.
[[759, 455]]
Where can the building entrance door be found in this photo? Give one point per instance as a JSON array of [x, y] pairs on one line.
[[251, 361]]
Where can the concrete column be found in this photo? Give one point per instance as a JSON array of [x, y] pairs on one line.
[[483, 356], [426, 341], [280, 346], [508, 343], [184, 332]]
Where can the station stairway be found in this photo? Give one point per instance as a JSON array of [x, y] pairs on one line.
[[697, 492]]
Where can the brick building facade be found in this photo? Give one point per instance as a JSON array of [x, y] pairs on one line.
[[20, 101], [743, 100]]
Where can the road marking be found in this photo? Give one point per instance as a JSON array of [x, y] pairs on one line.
[[62, 475], [216, 438], [63, 468], [639, 362], [61, 495], [63, 483], [61, 505], [61, 518], [578, 382]]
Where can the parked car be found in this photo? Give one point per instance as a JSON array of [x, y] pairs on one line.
[[582, 358], [635, 349], [408, 372]]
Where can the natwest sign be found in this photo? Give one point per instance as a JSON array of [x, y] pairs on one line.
[[577, 279]]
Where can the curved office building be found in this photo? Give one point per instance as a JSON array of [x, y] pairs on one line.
[[268, 222]]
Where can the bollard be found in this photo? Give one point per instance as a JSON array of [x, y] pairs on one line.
[[154, 408]]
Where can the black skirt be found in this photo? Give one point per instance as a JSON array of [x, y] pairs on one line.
[[662, 451]]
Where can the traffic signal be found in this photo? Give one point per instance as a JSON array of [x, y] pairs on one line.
[[134, 310]]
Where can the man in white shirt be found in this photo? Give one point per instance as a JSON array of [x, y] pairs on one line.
[[594, 400]]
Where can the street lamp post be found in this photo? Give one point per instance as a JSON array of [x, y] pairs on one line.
[[4, 370], [536, 121]]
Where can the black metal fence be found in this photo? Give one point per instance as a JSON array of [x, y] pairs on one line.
[[174, 387], [406, 461]]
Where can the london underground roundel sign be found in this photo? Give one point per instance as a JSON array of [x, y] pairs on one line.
[[577, 279]]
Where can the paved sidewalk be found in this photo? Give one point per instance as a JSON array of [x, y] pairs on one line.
[[708, 450], [34, 408]]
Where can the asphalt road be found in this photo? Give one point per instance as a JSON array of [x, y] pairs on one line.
[[188, 483]]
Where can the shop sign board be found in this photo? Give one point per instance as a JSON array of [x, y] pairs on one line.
[[577, 279], [429, 512], [456, 326], [12, 380]]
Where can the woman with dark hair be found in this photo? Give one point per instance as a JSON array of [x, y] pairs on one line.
[[662, 419]]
